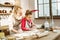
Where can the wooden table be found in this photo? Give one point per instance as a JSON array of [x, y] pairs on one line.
[[51, 36], [5, 29]]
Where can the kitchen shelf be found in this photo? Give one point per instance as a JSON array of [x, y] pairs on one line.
[[6, 5], [4, 14]]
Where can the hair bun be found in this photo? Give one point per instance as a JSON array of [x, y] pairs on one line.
[[27, 11]]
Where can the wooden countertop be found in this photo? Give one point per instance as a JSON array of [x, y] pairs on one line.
[[51, 36]]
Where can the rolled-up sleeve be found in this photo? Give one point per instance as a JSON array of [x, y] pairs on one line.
[[23, 23]]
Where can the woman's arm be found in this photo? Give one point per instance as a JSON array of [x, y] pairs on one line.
[[23, 24], [33, 25], [13, 30], [10, 23]]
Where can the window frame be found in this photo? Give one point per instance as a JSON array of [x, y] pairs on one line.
[[50, 9]]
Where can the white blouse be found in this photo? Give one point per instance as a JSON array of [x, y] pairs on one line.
[[10, 21]]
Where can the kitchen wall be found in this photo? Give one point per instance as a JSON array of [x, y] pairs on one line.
[[24, 5], [17, 2]]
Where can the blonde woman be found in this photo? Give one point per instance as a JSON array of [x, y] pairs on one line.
[[14, 19]]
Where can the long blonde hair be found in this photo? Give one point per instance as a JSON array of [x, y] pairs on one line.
[[16, 9], [14, 12]]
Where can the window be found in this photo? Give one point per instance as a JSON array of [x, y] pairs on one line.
[[56, 7], [44, 8]]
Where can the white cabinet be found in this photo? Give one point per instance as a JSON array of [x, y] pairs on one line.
[[5, 12]]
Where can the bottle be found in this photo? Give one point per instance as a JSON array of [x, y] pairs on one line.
[[51, 25], [46, 24]]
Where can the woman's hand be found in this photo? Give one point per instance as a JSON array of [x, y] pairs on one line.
[[15, 31]]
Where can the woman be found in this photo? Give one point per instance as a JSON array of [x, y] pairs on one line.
[[14, 19], [27, 23]]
